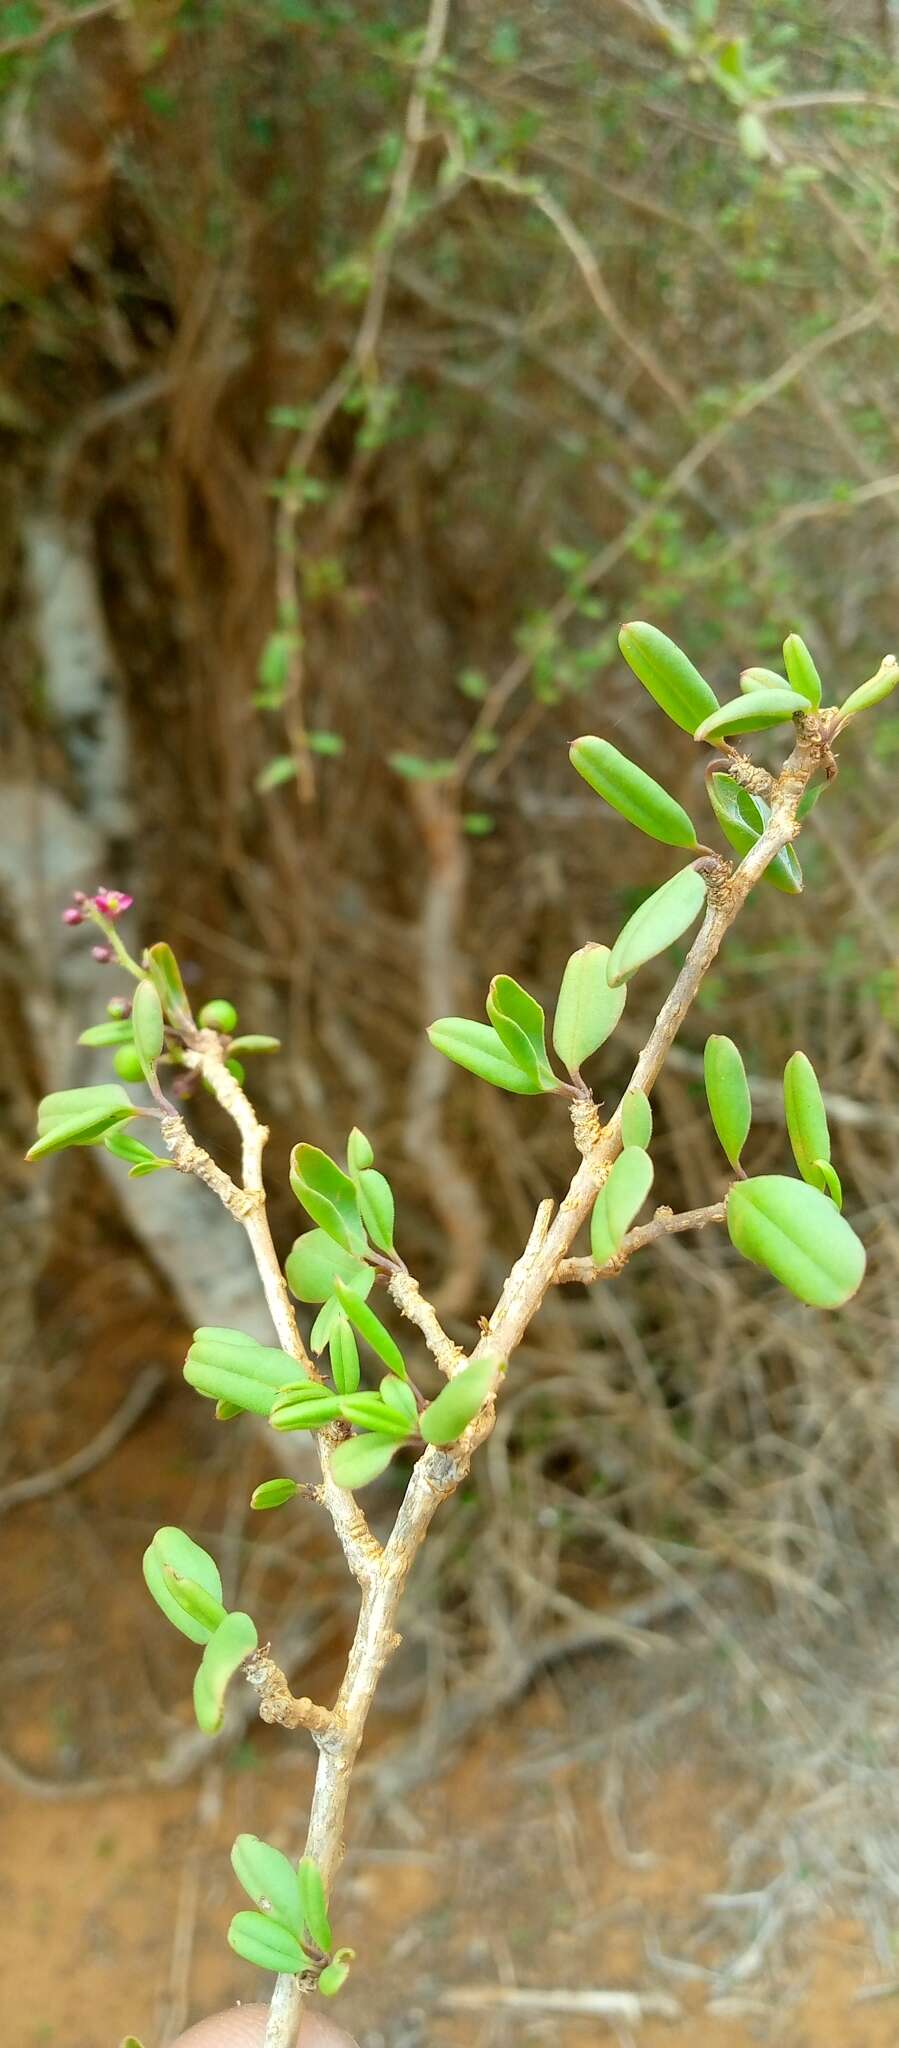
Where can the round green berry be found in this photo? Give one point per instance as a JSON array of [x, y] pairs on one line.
[[127, 1064], [219, 1015]]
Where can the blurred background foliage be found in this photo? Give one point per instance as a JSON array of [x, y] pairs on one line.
[[374, 365]]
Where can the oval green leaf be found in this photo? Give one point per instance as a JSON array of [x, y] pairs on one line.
[[314, 1903], [519, 1023], [727, 1094], [328, 1195], [631, 792], [261, 1940], [372, 1329], [753, 713], [636, 1119], [588, 1009], [147, 1025], [315, 1261], [273, 1493], [668, 675], [742, 818], [761, 679], [269, 1879], [806, 1118], [618, 1202], [479, 1049], [165, 975], [233, 1642], [117, 1031], [659, 921], [359, 1152], [798, 1234], [802, 674], [362, 1459], [172, 1547], [873, 691], [344, 1355], [376, 1207], [457, 1404], [194, 1600]]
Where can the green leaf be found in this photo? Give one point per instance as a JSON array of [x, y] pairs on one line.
[[743, 819], [802, 674], [830, 1181], [808, 801], [753, 713], [117, 1031], [636, 1119], [324, 1325], [87, 1129], [270, 1880], [798, 1234], [148, 1026], [255, 1041], [873, 691], [261, 1940], [479, 1049], [359, 1153], [761, 679], [519, 1022], [315, 1905], [457, 1404], [618, 1201], [315, 1261], [376, 1207], [66, 1103], [133, 1152], [273, 1493], [282, 768], [372, 1329], [304, 1406], [368, 1411], [344, 1353], [806, 1118], [78, 1116], [588, 1009], [631, 792], [657, 923], [172, 1547], [667, 674], [398, 1395], [727, 1094], [165, 975], [225, 1365], [416, 769], [194, 1600], [361, 1459], [328, 1195], [234, 1641], [335, 1973]]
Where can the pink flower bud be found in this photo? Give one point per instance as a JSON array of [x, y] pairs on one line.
[[72, 916], [78, 896], [101, 953]]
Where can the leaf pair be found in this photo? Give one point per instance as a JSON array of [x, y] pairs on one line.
[[79, 1116], [186, 1584], [743, 818], [510, 1051], [365, 1457], [229, 1367], [291, 1910], [351, 1207], [620, 1198]]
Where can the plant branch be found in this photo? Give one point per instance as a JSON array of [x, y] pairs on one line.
[[247, 1206], [437, 1473], [664, 1224]]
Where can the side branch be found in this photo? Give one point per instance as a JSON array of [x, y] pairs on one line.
[[664, 1224], [418, 1310]]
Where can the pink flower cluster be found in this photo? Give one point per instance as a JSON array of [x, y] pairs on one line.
[[110, 903]]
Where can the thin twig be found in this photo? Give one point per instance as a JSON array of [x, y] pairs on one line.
[[664, 1224], [56, 25], [629, 2007]]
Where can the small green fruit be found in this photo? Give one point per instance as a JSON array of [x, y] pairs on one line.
[[219, 1015], [127, 1064]]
